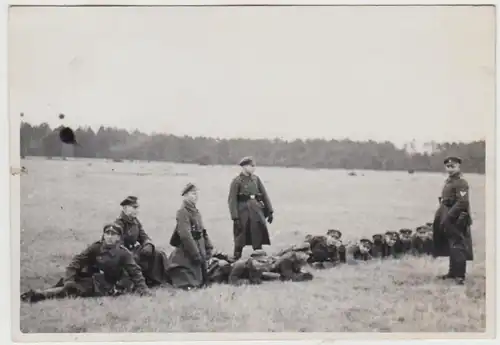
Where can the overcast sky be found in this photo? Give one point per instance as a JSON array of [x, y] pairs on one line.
[[381, 73]]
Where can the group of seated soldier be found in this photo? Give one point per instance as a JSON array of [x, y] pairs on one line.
[[329, 250]]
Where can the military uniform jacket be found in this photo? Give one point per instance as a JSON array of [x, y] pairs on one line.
[[192, 243], [133, 232], [112, 262], [453, 215], [249, 202]]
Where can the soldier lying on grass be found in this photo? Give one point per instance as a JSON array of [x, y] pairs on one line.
[[259, 267], [422, 241], [96, 271]]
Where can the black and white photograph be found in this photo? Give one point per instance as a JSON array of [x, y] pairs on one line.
[[252, 169]]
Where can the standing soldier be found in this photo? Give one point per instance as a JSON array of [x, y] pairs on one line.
[[193, 247], [249, 206], [452, 221]]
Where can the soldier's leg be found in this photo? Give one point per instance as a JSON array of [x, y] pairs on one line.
[[81, 288], [238, 251], [458, 262], [34, 296]]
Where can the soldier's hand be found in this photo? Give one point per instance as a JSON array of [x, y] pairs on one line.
[[147, 249], [270, 218]]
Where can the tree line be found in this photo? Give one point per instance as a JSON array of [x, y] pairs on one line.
[[119, 144]]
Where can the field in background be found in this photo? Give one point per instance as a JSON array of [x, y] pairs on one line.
[[64, 205]]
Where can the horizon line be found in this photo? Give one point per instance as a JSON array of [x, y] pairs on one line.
[[152, 133]]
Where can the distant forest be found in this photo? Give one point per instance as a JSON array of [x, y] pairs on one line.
[[119, 144]]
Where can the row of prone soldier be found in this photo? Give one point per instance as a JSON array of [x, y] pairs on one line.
[[125, 260]]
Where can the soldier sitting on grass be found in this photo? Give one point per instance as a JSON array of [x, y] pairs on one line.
[[96, 271]]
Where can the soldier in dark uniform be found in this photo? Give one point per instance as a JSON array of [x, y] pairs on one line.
[[422, 241], [153, 262], [219, 268], [96, 271], [320, 252], [336, 248], [193, 247], [290, 265], [452, 222], [362, 250], [378, 246], [249, 206], [405, 236], [392, 245]]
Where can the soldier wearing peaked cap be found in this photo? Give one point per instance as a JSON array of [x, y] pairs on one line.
[[152, 261], [422, 241], [452, 222], [96, 271], [406, 240], [337, 234], [362, 250], [249, 207], [378, 245], [133, 235], [193, 247]]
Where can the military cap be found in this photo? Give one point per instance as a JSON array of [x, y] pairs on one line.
[[453, 159], [429, 223], [258, 253], [247, 161], [405, 231], [390, 233], [189, 187], [365, 241], [421, 228], [113, 227], [303, 247], [377, 236], [334, 232], [129, 201]]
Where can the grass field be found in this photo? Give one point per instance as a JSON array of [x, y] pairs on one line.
[[64, 205]]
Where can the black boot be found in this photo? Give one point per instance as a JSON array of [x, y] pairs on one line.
[[237, 253]]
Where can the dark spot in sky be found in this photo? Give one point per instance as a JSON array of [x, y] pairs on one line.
[[22, 114], [67, 136], [61, 116]]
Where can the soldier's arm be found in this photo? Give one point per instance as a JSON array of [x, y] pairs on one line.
[[209, 247], [462, 199], [184, 231], [79, 261], [232, 198], [143, 238], [133, 270], [265, 195]]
